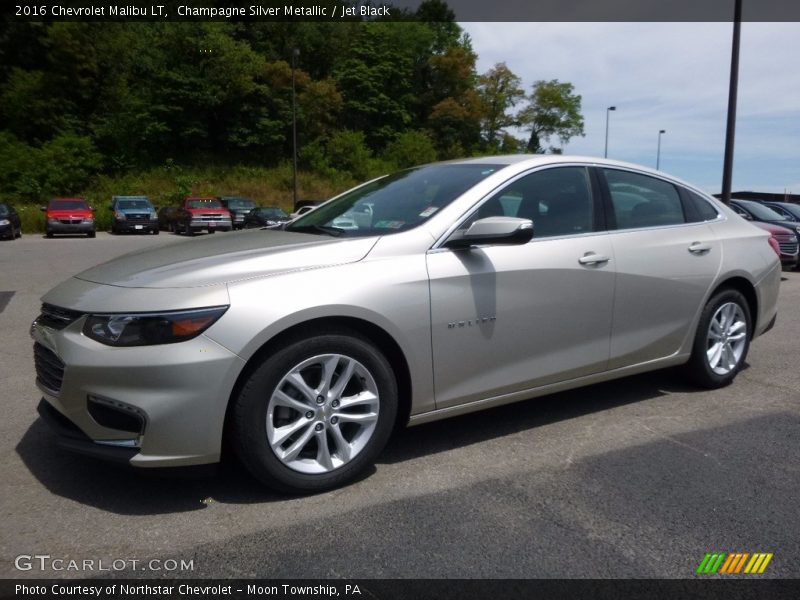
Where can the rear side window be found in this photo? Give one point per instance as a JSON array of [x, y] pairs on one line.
[[643, 201], [702, 208]]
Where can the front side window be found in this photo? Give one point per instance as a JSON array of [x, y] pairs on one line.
[[643, 201], [558, 201], [394, 203]]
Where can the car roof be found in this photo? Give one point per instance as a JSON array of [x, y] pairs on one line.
[[523, 162]]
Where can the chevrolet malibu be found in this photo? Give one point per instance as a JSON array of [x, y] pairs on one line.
[[461, 286]]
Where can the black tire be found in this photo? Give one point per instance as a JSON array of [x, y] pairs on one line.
[[48, 234], [91, 234], [156, 231], [249, 412], [698, 368]]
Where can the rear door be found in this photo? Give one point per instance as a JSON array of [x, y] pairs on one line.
[[665, 264], [509, 318]]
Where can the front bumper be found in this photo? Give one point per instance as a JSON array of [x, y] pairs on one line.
[[133, 226], [203, 225], [69, 227], [180, 390]]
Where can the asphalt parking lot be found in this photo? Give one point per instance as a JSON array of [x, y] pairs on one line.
[[634, 478]]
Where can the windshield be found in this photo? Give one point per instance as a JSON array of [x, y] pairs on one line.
[[68, 205], [762, 212], [272, 213], [144, 204], [240, 203], [394, 203], [200, 203]]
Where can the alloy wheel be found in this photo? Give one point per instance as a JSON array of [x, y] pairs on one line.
[[322, 413], [726, 338]]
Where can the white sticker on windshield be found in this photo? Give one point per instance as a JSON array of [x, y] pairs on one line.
[[429, 211]]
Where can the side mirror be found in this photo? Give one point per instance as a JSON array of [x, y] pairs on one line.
[[506, 231], [43, 208], [110, 207]]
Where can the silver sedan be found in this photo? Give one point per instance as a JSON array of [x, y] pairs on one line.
[[455, 287]]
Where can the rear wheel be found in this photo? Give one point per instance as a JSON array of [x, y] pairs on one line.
[[722, 340], [316, 413], [91, 234]]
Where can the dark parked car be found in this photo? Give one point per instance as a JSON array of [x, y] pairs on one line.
[[69, 215], [756, 211], [166, 218], [265, 216], [238, 207], [787, 209], [133, 213], [10, 225]]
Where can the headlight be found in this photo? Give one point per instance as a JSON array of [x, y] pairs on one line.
[[5, 222], [53, 221], [120, 216], [153, 216], [88, 220], [147, 329]]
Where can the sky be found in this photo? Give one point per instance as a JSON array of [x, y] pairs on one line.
[[671, 76]]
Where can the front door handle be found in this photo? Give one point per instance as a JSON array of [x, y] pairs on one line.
[[590, 258], [699, 247]]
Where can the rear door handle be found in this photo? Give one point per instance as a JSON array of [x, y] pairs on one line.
[[699, 247], [590, 258]]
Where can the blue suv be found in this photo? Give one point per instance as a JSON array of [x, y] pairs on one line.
[[133, 213]]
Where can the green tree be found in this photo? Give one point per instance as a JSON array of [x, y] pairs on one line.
[[411, 148], [553, 110], [500, 90]]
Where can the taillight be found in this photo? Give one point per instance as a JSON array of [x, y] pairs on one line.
[[773, 243]]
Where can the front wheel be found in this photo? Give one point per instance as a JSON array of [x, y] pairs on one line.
[[722, 340], [315, 414]]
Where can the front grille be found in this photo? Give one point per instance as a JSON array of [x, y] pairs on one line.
[[788, 244], [55, 317], [138, 218], [206, 218], [70, 221], [49, 368]]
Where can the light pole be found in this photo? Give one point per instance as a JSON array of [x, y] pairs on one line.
[[608, 110], [658, 152], [295, 55], [727, 166]]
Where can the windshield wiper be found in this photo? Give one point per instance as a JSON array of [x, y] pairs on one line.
[[317, 229]]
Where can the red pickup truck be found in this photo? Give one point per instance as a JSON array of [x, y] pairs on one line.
[[202, 214]]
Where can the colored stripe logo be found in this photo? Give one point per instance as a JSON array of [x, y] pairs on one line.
[[734, 563]]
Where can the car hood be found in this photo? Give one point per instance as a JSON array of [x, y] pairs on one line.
[[225, 258]]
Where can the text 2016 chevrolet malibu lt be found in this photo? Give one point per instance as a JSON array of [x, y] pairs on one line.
[[432, 292]]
